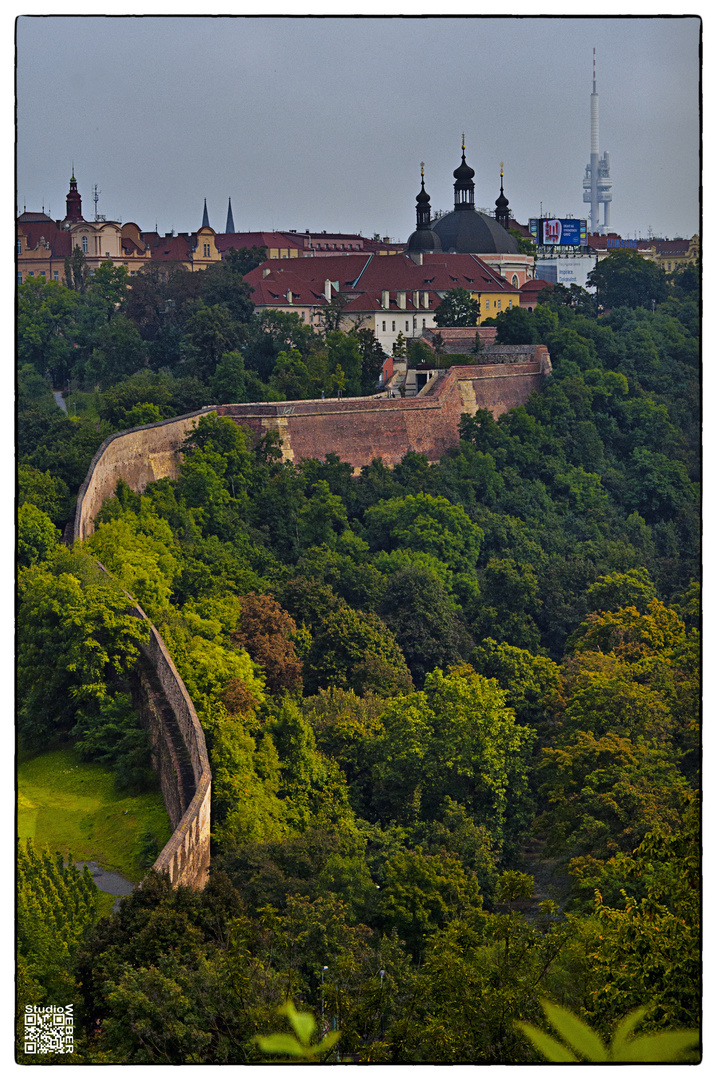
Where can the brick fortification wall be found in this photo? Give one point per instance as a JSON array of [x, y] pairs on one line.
[[138, 457], [361, 429], [357, 430], [179, 756]]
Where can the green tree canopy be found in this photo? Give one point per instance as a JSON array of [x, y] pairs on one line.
[[625, 279], [457, 308]]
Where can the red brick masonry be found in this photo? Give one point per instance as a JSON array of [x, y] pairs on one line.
[[361, 429], [356, 429]]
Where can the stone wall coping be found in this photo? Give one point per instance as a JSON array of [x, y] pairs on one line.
[[321, 407]]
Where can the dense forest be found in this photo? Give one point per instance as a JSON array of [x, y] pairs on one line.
[[452, 709]]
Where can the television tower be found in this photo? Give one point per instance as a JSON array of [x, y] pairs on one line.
[[597, 185]]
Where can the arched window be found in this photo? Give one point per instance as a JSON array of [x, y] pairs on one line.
[[84, 245], [515, 281]]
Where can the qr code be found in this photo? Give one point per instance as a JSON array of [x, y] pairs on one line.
[[49, 1029]]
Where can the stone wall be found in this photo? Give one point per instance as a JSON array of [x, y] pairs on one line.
[[179, 756], [361, 429], [138, 457], [356, 429]]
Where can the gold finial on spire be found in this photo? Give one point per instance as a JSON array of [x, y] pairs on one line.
[[463, 141], [501, 169], [422, 164]]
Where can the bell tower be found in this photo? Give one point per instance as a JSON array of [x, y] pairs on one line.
[[464, 188], [74, 201], [423, 239], [502, 208]]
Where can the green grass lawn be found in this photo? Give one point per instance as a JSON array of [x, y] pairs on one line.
[[73, 807]]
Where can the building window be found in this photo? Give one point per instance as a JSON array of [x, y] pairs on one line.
[[19, 277], [499, 305], [424, 324], [19, 247], [406, 324], [383, 325], [84, 245], [56, 275], [31, 273], [42, 274], [510, 303], [393, 325]]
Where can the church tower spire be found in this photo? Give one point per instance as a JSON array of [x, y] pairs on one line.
[[423, 206], [74, 201], [502, 207], [205, 219], [423, 239], [230, 219], [464, 188]]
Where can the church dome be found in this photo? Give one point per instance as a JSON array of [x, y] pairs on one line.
[[423, 240], [470, 232]]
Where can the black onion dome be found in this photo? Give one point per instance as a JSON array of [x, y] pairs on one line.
[[423, 196], [464, 171]]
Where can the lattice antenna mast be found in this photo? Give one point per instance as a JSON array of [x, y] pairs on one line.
[[95, 198]]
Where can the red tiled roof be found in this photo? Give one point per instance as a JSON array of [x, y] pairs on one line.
[[32, 215], [58, 239], [365, 278], [535, 285], [179, 247], [225, 241], [672, 247], [129, 245], [305, 272]]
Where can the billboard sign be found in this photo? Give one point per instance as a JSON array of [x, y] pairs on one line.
[[562, 232], [618, 242]]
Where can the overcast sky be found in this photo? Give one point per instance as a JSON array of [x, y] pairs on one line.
[[321, 123]]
